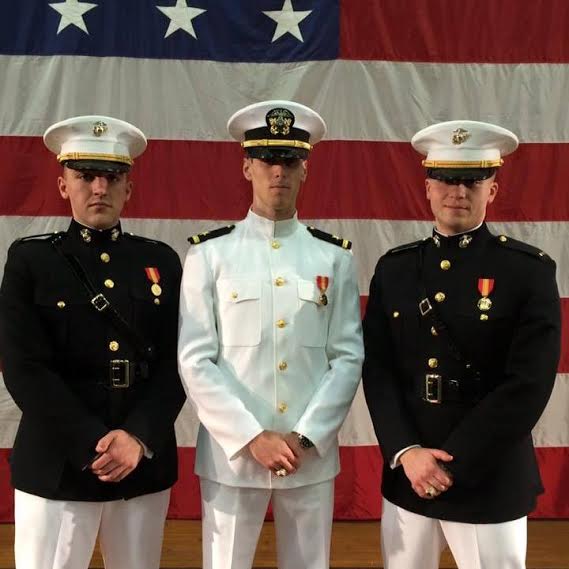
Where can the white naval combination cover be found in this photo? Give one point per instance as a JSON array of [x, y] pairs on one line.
[[259, 349]]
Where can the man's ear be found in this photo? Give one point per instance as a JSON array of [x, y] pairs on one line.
[[305, 170], [493, 191], [129, 186], [428, 188], [62, 186], [247, 163]]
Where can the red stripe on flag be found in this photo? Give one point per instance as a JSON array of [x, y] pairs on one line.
[[357, 493], [347, 179], [479, 31]]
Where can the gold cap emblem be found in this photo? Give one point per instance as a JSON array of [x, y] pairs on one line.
[[280, 121], [460, 135], [100, 128]]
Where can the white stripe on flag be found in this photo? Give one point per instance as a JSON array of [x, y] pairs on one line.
[[371, 237], [372, 100]]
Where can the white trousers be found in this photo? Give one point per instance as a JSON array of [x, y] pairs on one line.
[[411, 541], [61, 534], [232, 518]]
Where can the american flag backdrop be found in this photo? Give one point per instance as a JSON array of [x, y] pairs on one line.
[[376, 70]]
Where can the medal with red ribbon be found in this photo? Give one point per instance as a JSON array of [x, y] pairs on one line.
[[485, 287], [322, 284], [154, 277]]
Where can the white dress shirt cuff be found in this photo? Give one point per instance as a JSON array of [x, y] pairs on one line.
[[395, 460]]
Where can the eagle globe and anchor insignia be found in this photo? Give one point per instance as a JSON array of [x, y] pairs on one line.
[[100, 128], [280, 121], [460, 136]]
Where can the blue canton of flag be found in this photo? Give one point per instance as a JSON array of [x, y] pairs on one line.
[[220, 30]]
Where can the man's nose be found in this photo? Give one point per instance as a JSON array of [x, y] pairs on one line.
[[277, 169], [459, 190], [100, 185]]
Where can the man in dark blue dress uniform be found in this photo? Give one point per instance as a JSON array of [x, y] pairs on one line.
[[462, 339], [88, 326]]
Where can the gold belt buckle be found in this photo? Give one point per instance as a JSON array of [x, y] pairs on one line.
[[119, 371], [433, 388]]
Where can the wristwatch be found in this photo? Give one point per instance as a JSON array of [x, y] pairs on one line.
[[304, 442]]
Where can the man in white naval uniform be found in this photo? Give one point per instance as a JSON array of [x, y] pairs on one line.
[[270, 353]]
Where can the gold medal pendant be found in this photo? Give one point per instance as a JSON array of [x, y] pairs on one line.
[[153, 275], [485, 287], [322, 283]]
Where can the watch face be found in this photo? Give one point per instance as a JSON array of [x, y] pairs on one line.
[[304, 442]]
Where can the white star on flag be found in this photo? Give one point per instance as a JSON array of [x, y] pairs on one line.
[[72, 14], [181, 16], [287, 20]]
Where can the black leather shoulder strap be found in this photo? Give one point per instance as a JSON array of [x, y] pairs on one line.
[[102, 305]]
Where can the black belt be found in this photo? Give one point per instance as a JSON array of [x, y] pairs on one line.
[[436, 388], [115, 374]]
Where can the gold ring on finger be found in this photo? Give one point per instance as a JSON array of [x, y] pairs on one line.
[[281, 472]]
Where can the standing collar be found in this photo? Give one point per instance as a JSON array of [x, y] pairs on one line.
[[90, 236], [462, 240], [269, 228]]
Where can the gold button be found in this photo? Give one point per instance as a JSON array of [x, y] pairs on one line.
[[283, 407], [61, 304], [445, 264], [234, 295], [281, 323], [433, 363], [275, 245], [484, 317], [156, 301], [440, 296], [541, 254], [503, 238], [434, 331], [109, 283], [105, 257], [113, 346], [396, 314], [283, 366], [279, 281]]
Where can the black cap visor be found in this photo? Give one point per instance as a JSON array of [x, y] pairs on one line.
[[460, 175], [276, 152], [98, 166]]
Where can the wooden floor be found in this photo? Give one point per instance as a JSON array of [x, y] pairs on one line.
[[355, 545]]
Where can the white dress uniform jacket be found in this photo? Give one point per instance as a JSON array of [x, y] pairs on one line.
[[259, 351]]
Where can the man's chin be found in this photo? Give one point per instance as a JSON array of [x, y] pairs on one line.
[[102, 221]]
